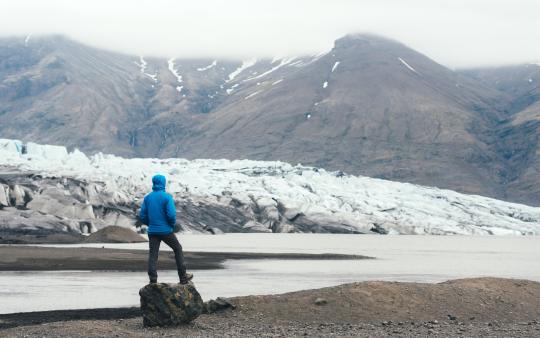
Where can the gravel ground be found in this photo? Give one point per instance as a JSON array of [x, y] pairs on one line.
[[481, 307], [228, 324]]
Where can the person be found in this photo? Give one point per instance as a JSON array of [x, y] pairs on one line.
[[159, 213]]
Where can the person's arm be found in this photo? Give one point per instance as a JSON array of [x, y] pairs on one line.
[[143, 214], [171, 212]]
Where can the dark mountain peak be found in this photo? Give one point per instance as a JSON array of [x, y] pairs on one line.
[[375, 50], [364, 41]]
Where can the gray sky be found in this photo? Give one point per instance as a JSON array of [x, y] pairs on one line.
[[456, 33]]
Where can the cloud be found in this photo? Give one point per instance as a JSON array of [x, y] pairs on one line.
[[455, 33]]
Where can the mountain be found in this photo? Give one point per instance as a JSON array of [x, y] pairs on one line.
[[518, 135], [370, 106], [47, 190], [520, 82], [55, 90]]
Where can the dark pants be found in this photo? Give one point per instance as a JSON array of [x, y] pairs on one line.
[[172, 242]]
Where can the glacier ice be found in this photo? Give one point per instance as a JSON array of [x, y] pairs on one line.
[[245, 195]]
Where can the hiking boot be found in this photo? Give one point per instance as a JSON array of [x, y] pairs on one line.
[[186, 278]]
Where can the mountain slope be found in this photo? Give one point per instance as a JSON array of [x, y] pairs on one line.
[[369, 106], [56, 90], [520, 82], [518, 135]]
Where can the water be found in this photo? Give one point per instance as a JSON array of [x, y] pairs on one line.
[[399, 258]]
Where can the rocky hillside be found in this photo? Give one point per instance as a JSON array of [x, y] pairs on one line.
[[46, 188], [517, 136], [369, 106]]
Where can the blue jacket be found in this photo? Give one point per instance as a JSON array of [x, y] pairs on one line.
[[157, 209]]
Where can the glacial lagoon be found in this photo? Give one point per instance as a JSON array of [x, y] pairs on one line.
[[398, 258]]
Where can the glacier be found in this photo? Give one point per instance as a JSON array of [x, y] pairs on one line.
[[48, 186]]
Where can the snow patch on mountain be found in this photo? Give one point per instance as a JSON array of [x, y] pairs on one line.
[[281, 197], [142, 64], [27, 39], [407, 65], [321, 54], [325, 84], [276, 82], [283, 62], [252, 94], [210, 66], [298, 63], [172, 69], [311, 59], [245, 65], [230, 90], [335, 66]]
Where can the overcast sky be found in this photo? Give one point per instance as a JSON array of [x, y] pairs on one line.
[[457, 33]]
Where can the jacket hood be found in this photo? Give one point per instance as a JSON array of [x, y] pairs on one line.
[[158, 182]]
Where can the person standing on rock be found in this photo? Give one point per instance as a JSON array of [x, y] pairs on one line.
[[159, 213]]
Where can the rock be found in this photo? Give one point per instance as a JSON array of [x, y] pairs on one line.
[[219, 304], [170, 304], [59, 202], [16, 196], [320, 301], [253, 226], [215, 231], [378, 229], [26, 221], [87, 227], [284, 228], [4, 196], [115, 234]]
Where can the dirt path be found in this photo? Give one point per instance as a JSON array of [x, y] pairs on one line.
[[462, 308]]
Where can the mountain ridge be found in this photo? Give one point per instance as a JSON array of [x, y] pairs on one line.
[[370, 106]]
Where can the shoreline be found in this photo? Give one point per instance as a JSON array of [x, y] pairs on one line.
[[494, 307], [35, 258]]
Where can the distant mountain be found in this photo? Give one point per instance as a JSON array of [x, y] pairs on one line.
[[520, 82], [56, 90], [370, 106], [518, 135]]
